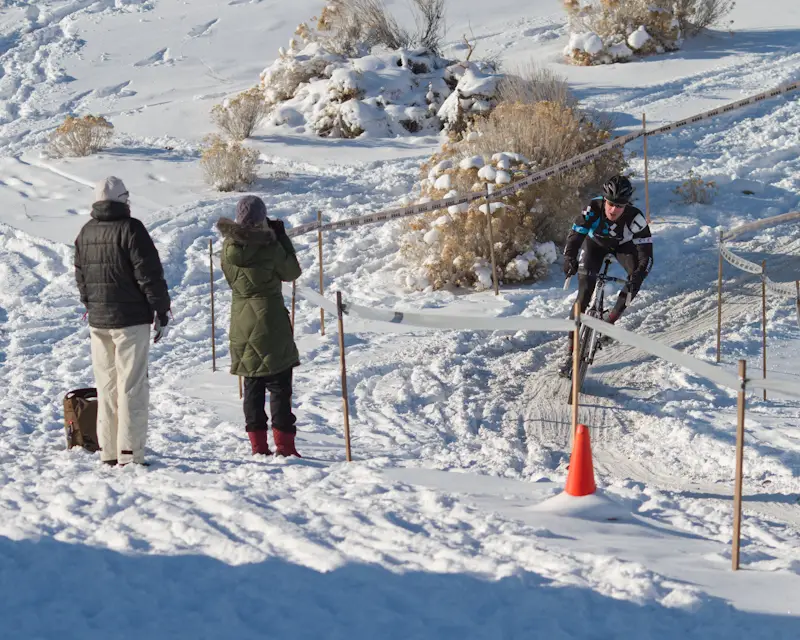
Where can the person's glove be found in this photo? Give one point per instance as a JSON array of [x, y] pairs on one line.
[[160, 326], [570, 266], [277, 226], [279, 229]]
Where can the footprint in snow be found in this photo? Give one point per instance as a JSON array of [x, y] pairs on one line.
[[162, 56], [119, 90], [202, 29]]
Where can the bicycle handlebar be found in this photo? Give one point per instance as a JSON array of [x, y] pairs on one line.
[[605, 278]]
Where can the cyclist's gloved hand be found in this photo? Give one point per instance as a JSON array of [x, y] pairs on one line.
[[570, 266]]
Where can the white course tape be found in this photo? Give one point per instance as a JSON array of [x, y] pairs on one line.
[[739, 262], [572, 163], [778, 386], [784, 289], [312, 296], [712, 372], [436, 321], [733, 106], [761, 224], [434, 205]]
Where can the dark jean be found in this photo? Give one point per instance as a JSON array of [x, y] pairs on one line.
[[279, 386]]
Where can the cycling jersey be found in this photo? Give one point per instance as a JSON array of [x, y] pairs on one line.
[[630, 227]]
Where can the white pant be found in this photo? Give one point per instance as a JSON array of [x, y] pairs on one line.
[[119, 360]]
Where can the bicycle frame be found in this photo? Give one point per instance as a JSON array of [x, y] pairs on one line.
[[589, 337]]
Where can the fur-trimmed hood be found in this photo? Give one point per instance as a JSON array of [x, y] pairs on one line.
[[243, 235]]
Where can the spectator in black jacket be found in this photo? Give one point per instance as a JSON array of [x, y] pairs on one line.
[[121, 284]]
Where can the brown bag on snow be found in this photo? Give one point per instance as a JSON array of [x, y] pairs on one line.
[[80, 419]]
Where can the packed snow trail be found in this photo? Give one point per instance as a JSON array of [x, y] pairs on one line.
[[354, 549]]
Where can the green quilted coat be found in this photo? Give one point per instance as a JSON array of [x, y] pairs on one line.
[[255, 262]]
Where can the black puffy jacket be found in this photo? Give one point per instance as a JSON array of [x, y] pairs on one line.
[[118, 271]]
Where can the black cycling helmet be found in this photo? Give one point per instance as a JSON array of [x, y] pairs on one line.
[[618, 190]]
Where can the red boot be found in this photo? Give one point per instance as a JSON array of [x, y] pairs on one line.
[[259, 442], [284, 444]]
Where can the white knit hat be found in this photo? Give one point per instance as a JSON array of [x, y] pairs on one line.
[[112, 189]]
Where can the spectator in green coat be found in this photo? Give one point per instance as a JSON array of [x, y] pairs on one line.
[[257, 256]]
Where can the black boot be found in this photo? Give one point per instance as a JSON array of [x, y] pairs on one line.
[[565, 364]]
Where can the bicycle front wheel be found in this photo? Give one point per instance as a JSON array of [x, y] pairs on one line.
[[586, 336]]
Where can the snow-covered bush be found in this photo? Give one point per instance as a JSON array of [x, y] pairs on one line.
[[78, 137], [474, 95], [339, 80], [227, 166], [382, 94], [606, 31], [240, 115], [451, 247]]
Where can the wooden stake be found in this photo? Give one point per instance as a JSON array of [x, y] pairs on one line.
[[737, 489], [764, 319], [213, 321], [491, 240], [241, 395], [294, 298], [340, 311], [321, 274], [576, 365], [646, 173], [797, 284], [719, 300]]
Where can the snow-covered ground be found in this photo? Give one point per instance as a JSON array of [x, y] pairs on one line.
[[441, 527]]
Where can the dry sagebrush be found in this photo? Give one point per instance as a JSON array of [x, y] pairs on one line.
[[78, 137], [451, 247], [239, 116], [530, 83], [227, 166], [695, 190], [353, 27]]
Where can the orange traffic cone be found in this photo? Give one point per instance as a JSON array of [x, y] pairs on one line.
[[580, 480]]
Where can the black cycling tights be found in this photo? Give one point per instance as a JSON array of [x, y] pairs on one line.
[[591, 263]]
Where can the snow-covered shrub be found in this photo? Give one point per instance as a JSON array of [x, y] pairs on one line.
[[356, 73], [227, 165], [78, 137], [451, 247], [606, 31], [695, 190], [393, 93], [240, 115], [474, 95]]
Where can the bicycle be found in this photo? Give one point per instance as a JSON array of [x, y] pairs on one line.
[[589, 341]]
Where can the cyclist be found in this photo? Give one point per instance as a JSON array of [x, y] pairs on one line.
[[609, 225]]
